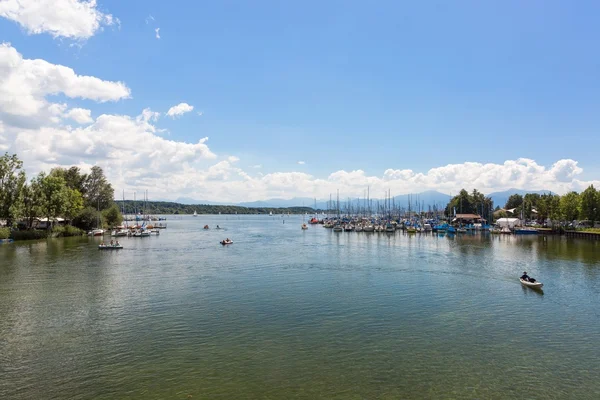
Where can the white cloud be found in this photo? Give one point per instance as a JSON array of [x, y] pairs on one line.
[[257, 166], [148, 115], [74, 19], [157, 31], [179, 110], [80, 115], [200, 113], [149, 19], [301, 162], [135, 157], [24, 85]]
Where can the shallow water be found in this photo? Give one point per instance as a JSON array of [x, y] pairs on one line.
[[286, 313]]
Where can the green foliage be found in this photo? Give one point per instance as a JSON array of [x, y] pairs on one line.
[[471, 203], [67, 230], [87, 219], [569, 206], [164, 207], [29, 235], [97, 191], [73, 177], [12, 179], [514, 201], [4, 233], [590, 204], [54, 196], [112, 216]]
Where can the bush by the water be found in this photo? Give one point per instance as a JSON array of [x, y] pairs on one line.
[[4, 233], [29, 235], [64, 231]]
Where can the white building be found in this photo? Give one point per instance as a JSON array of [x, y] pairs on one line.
[[508, 222]]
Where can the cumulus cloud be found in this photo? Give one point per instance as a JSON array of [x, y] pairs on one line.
[[80, 115], [24, 85], [179, 110], [157, 33], [74, 19]]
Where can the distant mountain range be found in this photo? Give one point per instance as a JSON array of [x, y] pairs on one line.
[[429, 198]]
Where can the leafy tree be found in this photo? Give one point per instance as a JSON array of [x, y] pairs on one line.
[[86, 219], [12, 179], [74, 203], [112, 216], [98, 192], [590, 204], [74, 178], [514, 201], [31, 202], [54, 196], [569, 206]]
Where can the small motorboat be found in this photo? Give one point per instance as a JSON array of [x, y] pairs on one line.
[[304, 226], [109, 247], [225, 242], [206, 227], [533, 285]]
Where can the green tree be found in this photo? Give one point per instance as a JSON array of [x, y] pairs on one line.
[[74, 178], [31, 202], [98, 192], [112, 216], [590, 207], [514, 201], [569, 206], [74, 203], [87, 219], [12, 179], [54, 196]]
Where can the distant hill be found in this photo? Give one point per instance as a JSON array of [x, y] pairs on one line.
[[500, 198], [427, 198]]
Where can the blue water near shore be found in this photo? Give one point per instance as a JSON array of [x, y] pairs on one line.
[[286, 313]]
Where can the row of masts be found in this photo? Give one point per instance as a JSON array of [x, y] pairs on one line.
[[387, 208]]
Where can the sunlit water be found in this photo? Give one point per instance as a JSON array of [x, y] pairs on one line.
[[285, 313]]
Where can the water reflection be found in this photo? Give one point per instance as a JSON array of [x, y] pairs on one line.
[[286, 313]]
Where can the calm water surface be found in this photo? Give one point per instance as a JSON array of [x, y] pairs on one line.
[[284, 313]]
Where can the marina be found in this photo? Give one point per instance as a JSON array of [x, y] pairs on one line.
[[376, 315]]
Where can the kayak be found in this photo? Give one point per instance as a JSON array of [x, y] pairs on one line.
[[534, 285], [223, 242]]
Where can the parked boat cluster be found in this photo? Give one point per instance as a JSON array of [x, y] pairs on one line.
[[412, 225]]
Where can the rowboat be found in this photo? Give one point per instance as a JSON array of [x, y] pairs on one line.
[[225, 242], [109, 247], [533, 285]]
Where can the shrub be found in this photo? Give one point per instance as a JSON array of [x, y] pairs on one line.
[[4, 233], [29, 235], [65, 231]]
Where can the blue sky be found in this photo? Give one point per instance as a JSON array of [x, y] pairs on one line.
[[347, 85]]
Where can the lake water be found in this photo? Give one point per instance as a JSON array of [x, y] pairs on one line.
[[291, 314]]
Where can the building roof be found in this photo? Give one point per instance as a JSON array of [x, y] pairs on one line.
[[468, 216]]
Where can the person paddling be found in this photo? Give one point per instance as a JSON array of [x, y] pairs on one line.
[[527, 278]]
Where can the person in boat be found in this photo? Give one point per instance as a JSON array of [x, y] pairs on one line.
[[117, 243], [218, 227], [112, 243], [527, 278]]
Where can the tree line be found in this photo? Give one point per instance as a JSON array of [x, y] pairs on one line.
[[84, 200], [130, 207], [569, 207]]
